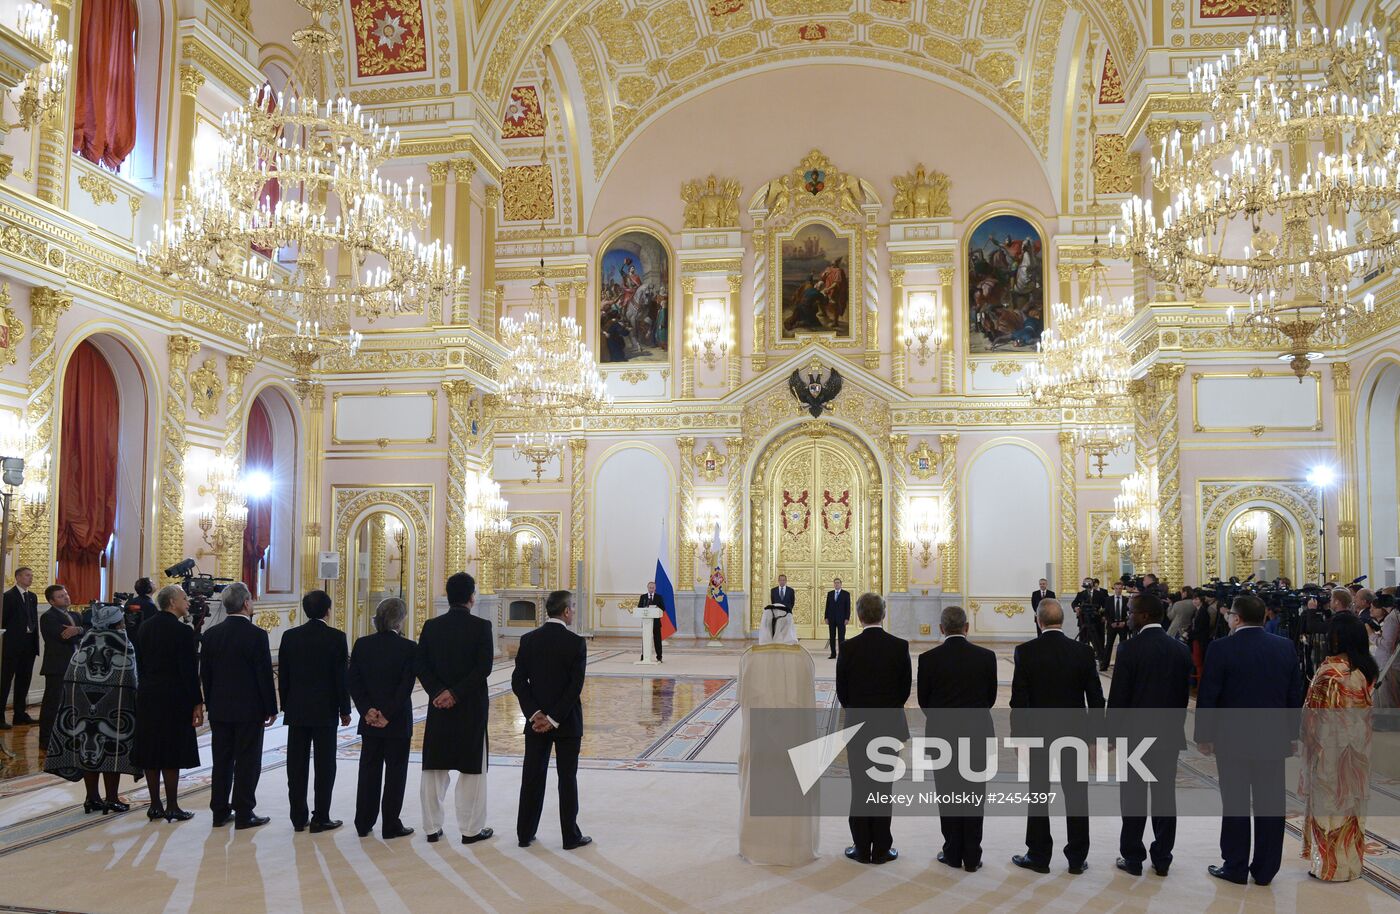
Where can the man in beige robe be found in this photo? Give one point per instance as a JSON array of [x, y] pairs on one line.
[[775, 673]]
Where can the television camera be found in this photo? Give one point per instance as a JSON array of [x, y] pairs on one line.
[[198, 587]]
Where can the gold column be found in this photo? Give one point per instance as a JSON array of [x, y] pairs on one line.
[[490, 292], [191, 79], [459, 394], [437, 198], [952, 573], [1069, 512], [45, 305], [378, 555], [565, 291], [735, 450], [488, 548], [685, 565], [948, 358], [899, 358], [734, 362], [757, 500], [899, 506], [170, 519], [464, 170], [870, 282], [55, 137], [687, 356], [762, 298], [1348, 494], [578, 447], [1170, 528], [313, 412], [231, 556]]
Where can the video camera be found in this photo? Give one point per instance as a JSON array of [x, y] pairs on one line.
[[198, 587], [1299, 623]]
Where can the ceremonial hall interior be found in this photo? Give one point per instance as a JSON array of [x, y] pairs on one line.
[[939, 298]]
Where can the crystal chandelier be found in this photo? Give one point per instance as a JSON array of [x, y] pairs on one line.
[[1082, 354], [1315, 228], [1101, 442], [538, 448], [44, 85], [486, 513], [1133, 517], [325, 158], [923, 325], [710, 338], [221, 525]]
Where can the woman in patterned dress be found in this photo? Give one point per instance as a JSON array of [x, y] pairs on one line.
[[1336, 750]]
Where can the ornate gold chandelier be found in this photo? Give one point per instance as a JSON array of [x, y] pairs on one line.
[[1083, 358], [325, 158], [45, 84], [1315, 228], [1134, 513], [1102, 440]]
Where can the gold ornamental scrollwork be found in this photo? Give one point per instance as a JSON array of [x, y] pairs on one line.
[[923, 461], [11, 328], [921, 194], [632, 376], [205, 389], [416, 504], [1009, 610], [709, 463], [98, 187], [711, 203]]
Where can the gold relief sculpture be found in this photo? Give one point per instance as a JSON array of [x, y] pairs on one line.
[[632, 376], [98, 187], [7, 164], [1009, 610], [921, 195], [711, 204], [710, 463], [205, 389], [816, 184], [1007, 367], [11, 329], [527, 193], [923, 461], [1116, 170]]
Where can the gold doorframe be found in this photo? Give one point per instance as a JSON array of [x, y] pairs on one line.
[[861, 515]]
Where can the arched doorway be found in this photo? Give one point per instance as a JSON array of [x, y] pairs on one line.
[[816, 507], [1261, 543], [380, 567], [1378, 425]]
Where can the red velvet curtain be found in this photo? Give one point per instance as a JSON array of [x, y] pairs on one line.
[[257, 458], [87, 483], [104, 110]]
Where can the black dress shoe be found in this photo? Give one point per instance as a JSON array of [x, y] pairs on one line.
[[117, 806], [1160, 870], [886, 857], [328, 825], [943, 859], [362, 832], [1219, 873], [1079, 869], [479, 836], [154, 812], [435, 837], [857, 856], [298, 828], [176, 814], [574, 845], [90, 806], [1127, 867], [24, 720], [4, 724], [973, 867], [1262, 882], [1027, 863], [525, 842], [403, 831], [830, 656], [251, 822], [220, 821]]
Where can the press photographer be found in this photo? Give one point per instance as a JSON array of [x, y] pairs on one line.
[[199, 588], [1088, 606]]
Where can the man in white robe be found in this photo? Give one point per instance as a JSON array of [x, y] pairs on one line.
[[775, 673]]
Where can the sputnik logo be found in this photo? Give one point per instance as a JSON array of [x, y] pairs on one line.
[[811, 759]]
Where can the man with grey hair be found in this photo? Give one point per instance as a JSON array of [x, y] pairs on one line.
[[1363, 601], [381, 683], [959, 675], [236, 669]]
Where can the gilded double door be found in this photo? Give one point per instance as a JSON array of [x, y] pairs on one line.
[[819, 514]]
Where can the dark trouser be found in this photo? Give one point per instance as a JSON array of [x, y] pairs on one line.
[[1113, 634], [48, 710], [656, 636], [836, 636], [1091, 633], [534, 777], [16, 669], [870, 834], [386, 761], [237, 749], [961, 823], [1133, 794], [300, 741], [1039, 845], [1251, 786]]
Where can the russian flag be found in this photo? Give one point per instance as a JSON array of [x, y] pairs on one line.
[[664, 590], [716, 603]]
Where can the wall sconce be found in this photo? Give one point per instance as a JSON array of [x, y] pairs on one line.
[[44, 85], [923, 324], [926, 533], [710, 336], [1134, 517], [485, 513], [709, 514], [222, 524]]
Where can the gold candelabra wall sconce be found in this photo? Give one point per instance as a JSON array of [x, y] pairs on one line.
[[222, 523], [927, 534]]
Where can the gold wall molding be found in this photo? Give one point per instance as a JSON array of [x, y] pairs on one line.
[[952, 564], [578, 492], [383, 392], [685, 570], [230, 558], [709, 463], [549, 526], [459, 395], [205, 389], [98, 188], [170, 517], [1348, 491], [312, 397], [46, 305], [13, 328], [1254, 374], [1069, 511], [415, 507], [1293, 497], [897, 455]]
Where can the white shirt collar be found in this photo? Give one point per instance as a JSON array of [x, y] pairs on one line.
[[560, 621], [947, 638], [1150, 625], [1046, 631], [1240, 628]]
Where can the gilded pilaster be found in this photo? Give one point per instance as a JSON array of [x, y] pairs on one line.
[[687, 356], [313, 415], [899, 358], [756, 572], [378, 554], [437, 197], [54, 137], [459, 394], [490, 292], [899, 505], [463, 171], [45, 305], [734, 361], [685, 569], [1069, 513], [1348, 493], [578, 484], [191, 79], [952, 572], [1159, 403], [758, 349], [735, 452], [170, 521], [948, 358], [872, 297]]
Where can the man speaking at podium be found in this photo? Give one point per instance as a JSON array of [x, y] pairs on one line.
[[652, 598]]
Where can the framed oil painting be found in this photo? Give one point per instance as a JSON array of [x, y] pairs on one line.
[[816, 285], [1006, 285], [634, 292]]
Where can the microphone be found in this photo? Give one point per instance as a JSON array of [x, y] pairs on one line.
[[1358, 580], [1250, 578]]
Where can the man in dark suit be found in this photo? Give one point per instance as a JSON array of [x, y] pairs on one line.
[[141, 606], [838, 613], [873, 677], [60, 629], [652, 598], [1255, 670], [1115, 615], [548, 682], [381, 684], [241, 700], [1147, 698], [312, 677], [1088, 608], [959, 675], [1043, 592], [21, 646], [1053, 672], [783, 593]]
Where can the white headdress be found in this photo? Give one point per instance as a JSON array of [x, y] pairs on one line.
[[777, 626]]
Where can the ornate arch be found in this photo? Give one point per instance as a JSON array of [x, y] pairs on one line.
[[413, 505], [1105, 558], [546, 525], [1293, 500]]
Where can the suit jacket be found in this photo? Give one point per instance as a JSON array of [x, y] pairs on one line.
[[548, 677], [381, 676], [1153, 671], [1250, 669], [958, 674], [312, 675], [1115, 609], [236, 670], [651, 599], [789, 598], [1091, 602], [57, 650], [873, 671], [21, 623], [455, 653], [1037, 596], [838, 607], [1053, 671]]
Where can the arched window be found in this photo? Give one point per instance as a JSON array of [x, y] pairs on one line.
[[104, 110]]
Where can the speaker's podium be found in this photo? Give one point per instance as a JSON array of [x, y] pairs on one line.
[[647, 614]]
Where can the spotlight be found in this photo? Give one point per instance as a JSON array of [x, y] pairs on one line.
[[1321, 476], [257, 484]]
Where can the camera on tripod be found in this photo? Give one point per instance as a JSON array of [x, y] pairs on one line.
[[198, 587]]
